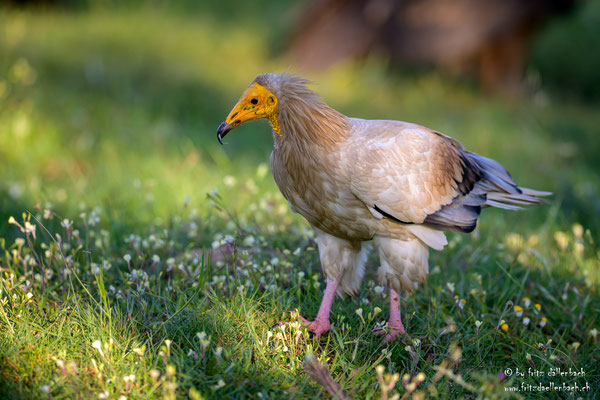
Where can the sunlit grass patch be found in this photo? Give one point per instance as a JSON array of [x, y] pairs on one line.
[[145, 314]]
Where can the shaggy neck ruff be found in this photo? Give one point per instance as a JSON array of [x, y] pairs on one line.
[[304, 119]]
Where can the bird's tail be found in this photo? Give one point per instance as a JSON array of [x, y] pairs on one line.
[[500, 189], [494, 187]]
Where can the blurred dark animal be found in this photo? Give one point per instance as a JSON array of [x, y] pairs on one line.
[[485, 38]]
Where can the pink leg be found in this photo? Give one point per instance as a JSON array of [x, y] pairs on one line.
[[395, 327], [321, 324], [395, 323]]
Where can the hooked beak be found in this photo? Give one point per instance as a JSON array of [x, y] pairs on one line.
[[223, 130], [235, 118], [242, 112], [256, 102]]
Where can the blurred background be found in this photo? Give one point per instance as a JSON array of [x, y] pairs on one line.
[[116, 103]]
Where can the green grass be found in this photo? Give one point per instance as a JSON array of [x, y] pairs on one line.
[[107, 121]]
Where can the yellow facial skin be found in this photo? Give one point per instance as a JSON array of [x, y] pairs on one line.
[[256, 102]]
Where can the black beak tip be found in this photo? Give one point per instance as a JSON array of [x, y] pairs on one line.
[[223, 129]]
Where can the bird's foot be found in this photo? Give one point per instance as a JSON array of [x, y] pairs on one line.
[[316, 327], [392, 331]]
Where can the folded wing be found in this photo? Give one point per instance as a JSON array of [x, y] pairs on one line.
[[412, 175]]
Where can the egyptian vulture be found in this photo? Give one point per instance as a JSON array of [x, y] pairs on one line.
[[396, 184]]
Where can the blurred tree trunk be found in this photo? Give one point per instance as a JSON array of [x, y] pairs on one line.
[[485, 38]]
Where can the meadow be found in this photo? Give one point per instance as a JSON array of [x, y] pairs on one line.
[[140, 259]]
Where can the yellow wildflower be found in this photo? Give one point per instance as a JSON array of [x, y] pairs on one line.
[[562, 239], [518, 310], [577, 231]]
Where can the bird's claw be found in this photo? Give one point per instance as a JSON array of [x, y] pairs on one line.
[[391, 332], [315, 328], [278, 324]]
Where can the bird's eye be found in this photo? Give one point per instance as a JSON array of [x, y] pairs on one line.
[[254, 101]]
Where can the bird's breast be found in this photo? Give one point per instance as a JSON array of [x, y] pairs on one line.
[[319, 190]]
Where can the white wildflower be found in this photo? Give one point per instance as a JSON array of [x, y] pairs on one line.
[[139, 351], [30, 228], [96, 269], [518, 311], [218, 351], [94, 218], [229, 181], [154, 374], [193, 354], [219, 384], [262, 170]]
